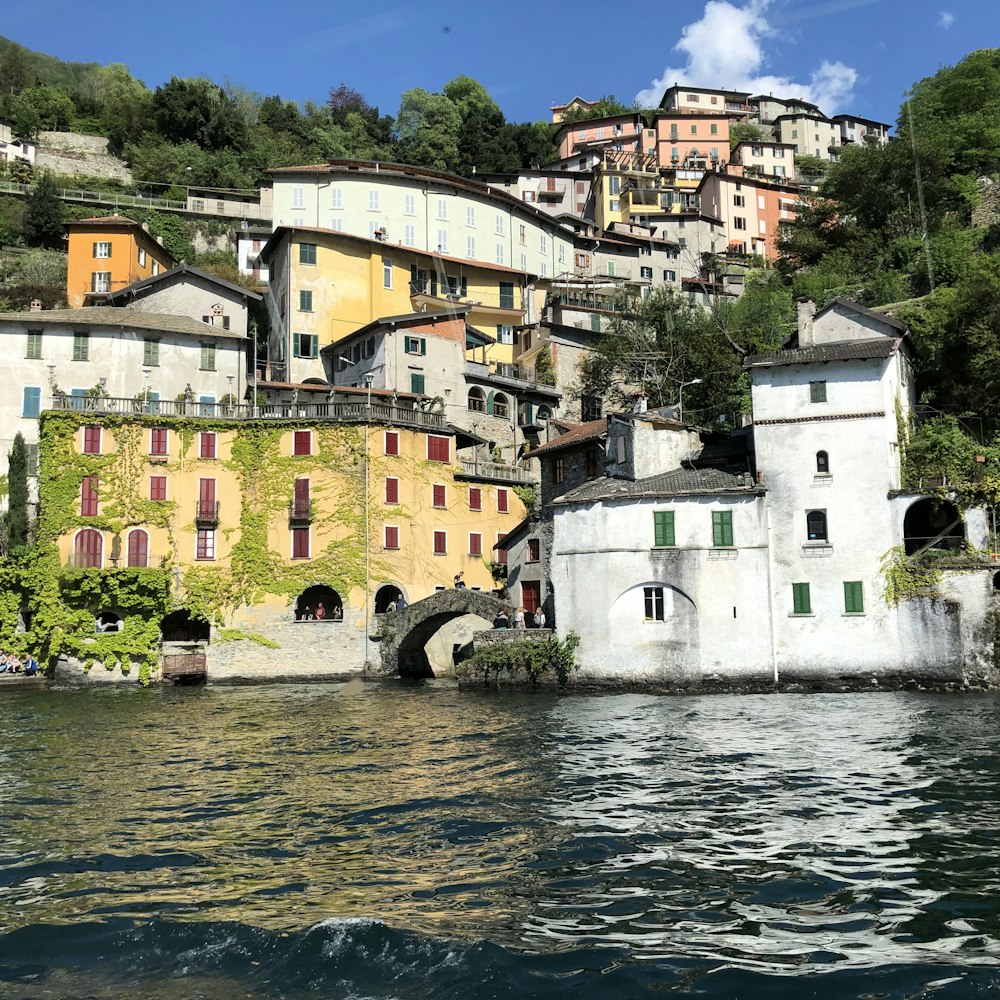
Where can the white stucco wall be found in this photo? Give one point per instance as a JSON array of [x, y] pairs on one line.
[[187, 298]]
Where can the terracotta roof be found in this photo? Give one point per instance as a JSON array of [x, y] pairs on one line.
[[178, 271], [677, 482], [847, 350], [592, 430], [104, 220], [121, 318], [404, 319]]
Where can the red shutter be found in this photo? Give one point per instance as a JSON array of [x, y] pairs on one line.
[[92, 440], [501, 553], [440, 543], [391, 536], [158, 441], [502, 501], [208, 444], [138, 549], [302, 443], [88, 549], [475, 498], [475, 544], [438, 448], [157, 487], [392, 442], [392, 491], [206, 497], [302, 492], [88, 496], [300, 543], [439, 496]]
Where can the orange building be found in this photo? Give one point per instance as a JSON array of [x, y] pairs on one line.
[[751, 210], [108, 253]]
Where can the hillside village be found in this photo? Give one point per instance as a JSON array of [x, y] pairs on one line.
[[388, 398]]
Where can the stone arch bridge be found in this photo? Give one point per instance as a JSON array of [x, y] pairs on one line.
[[403, 634]]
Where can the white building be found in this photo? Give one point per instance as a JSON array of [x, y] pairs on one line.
[[113, 353]]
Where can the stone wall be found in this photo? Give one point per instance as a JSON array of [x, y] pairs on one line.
[[71, 153]]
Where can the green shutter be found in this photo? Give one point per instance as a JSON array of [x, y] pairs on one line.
[[423, 345], [416, 383], [854, 597], [817, 392], [663, 528], [800, 599], [722, 527], [489, 402]]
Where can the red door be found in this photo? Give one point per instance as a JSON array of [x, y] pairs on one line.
[[531, 596]]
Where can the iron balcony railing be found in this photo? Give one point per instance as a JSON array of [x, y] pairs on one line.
[[300, 510], [206, 511], [357, 412], [512, 300], [495, 470]]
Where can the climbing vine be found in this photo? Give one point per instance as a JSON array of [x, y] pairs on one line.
[[523, 660]]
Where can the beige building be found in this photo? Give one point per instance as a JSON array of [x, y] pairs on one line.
[[698, 100], [555, 191], [765, 159], [811, 135]]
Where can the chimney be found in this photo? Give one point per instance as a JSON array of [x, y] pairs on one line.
[[35, 306], [806, 312]]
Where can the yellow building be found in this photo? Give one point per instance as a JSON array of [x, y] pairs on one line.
[[257, 520], [325, 285], [108, 253]]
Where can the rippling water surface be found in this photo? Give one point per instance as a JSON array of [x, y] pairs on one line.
[[384, 842]]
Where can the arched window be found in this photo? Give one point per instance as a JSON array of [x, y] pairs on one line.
[[816, 525], [822, 462], [477, 399], [542, 415], [501, 406], [88, 549], [138, 549]]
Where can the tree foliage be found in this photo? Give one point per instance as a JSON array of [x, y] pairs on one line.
[[43, 219], [16, 517]]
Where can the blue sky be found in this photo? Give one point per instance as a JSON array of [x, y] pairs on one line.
[[853, 55]]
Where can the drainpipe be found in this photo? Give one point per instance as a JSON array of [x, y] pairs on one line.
[[771, 598]]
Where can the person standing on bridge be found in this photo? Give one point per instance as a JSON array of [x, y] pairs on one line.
[[401, 602], [459, 582]]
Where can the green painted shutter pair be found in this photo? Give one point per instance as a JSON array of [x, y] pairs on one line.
[[854, 598], [801, 603], [663, 528], [722, 528]]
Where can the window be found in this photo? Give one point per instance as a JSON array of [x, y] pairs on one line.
[[206, 444], [417, 383], [505, 333], [31, 404], [409, 204], [506, 294], [88, 549], [722, 527], [559, 470], [138, 549], [88, 496], [415, 345], [500, 226], [392, 442], [653, 599], [646, 272], [534, 550], [158, 441], [207, 357], [817, 392], [409, 235], [298, 197], [816, 525], [156, 268], [206, 406], [305, 345], [475, 498], [387, 272], [523, 234], [373, 200], [151, 352], [300, 541], [391, 490], [502, 501], [336, 198], [438, 448], [305, 301], [669, 275], [501, 553], [801, 604], [854, 597], [92, 440], [477, 400], [663, 528], [442, 241], [205, 545], [500, 253], [470, 216], [302, 443], [440, 543], [562, 253], [307, 253], [438, 496], [524, 262], [739, 200], [81, 346], [391, 536], [739, 222], [442, 208], [501, 407], [157, 487], [822, 463], [102, 249], [142, 258], [470, 247], [337, 225], [475, 543], [34, 348]]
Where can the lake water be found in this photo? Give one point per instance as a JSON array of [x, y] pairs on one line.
[[407, 842]]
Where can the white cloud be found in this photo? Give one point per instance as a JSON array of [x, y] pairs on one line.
[[945, 19], [724, 49]]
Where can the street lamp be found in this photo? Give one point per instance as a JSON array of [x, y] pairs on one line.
[[680, 398]]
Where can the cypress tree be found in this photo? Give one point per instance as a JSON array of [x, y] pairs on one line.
[[43, 225], [17, 497]]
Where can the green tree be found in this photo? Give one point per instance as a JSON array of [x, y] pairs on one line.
[[429, 126], [603, 108], [125, 104], [43, 225], [15, 73], [744, 132], [16, 517]]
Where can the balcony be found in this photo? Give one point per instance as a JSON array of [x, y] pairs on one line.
[[300, 510], [206, 512], [356, 412], [494, 471], [550, 191], [502, 306], [517, 373]]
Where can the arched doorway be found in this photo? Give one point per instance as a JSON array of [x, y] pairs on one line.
[[319, 603], [933, 523], [182, 626], [385, 597]]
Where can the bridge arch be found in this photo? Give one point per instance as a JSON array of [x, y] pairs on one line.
[[405, 633]]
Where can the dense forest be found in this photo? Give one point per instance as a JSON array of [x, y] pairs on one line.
[[913, 225]]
